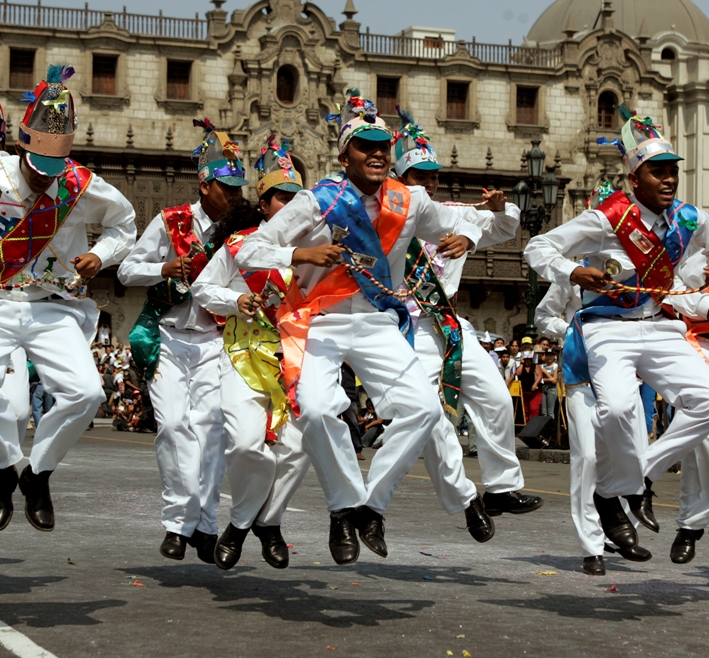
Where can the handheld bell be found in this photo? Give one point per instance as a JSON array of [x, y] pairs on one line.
[[339, 233], [613, 267]]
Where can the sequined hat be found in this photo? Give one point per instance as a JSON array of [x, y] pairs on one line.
[[359, 117], [275, 168], [47, 130], [640, 141], [217, 157], [412, 148]]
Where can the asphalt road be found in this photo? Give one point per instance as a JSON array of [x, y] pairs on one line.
[[97, 585]]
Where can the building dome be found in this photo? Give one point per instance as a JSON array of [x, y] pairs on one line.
[[680, 16]]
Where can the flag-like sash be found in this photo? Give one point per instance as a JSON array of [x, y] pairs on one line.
[[342, 207], [433, 301]]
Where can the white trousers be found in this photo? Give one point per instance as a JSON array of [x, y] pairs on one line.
[[263, 478], [191, 438], [396, 382], [52, 336], [17, 390], [580, 409], [658, 353]]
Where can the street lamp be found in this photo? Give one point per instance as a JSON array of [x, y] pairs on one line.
[[534, 215]]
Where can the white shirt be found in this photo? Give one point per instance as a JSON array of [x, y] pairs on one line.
[[100, 203], [556, 311], [591, 235], [143, 267], [300, 224]]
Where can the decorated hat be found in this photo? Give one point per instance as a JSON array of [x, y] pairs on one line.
[[359, 117], [275, 168], [47, 130], [640, 141], [217, 157], [412, 148]]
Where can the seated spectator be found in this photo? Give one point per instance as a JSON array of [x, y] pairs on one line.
[[531, 376]]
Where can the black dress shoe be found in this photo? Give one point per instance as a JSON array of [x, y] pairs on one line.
[[371, 530], [510, 501], [682, 550], [8, 484], [634, 554], [479, 523], [173, 546], [615, 522], [228, 549], [204, 544], [641, 507], [273, 546], [38, 501], [594, 565], [344, 545]]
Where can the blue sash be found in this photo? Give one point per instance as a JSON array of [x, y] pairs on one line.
[[575, 361], [340, 206]]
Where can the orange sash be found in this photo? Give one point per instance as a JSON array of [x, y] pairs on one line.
[[295, 313]]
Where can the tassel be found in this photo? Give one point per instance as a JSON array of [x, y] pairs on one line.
[[405, 117], [205, 124], [625, 112]]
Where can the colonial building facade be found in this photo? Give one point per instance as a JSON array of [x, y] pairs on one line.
[[283, 65]]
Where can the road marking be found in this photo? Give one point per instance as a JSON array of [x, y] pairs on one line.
[[20, 645], [103, 438]]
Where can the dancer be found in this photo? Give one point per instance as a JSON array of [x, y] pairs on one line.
[[351, 313], [638, 241], [47, 199], [177, 344], [264, 468], [455, 362]]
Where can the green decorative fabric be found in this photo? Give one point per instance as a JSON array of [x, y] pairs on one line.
[[433, 301]]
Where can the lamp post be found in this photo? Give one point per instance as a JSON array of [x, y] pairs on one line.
[[536, 197]]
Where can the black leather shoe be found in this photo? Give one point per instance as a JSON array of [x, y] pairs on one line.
[[641, 507], [594, 565], [634, 554], [513, 502], [273, 546], [479, 523], [8, 484], [38, 501], [682, 550], [204, 544], [615, 521], [173, 546], [344, 545], [371, 530], [228, 549]]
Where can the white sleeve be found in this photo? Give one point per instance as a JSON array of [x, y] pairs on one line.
[[434, 220], [116, 215], [220, 284], [549, 316], [143, 265], [496, 227]]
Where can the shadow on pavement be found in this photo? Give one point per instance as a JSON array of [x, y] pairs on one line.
[[51, 613], [10, 560], [25, 584], [568, 563]]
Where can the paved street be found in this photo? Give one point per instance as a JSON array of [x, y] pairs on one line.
[[97, 585]]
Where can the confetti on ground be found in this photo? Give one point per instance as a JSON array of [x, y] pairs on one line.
[[137, 583], [449, 653], [70, 561], [289, 545], [440, 557], [332, 587], [459, 637], [465, 654], [329, 648], [316, 562], [427, 578], [294, 553], [356, 584], [612, 588], [546, 573]]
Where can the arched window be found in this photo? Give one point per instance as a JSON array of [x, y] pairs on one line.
[[286, 81], [668, 54], [607, 103]]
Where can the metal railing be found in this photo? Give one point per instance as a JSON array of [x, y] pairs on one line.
[[63, 18], [399, 46]]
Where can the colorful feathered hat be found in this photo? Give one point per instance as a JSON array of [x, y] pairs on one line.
[[412, 148], [359, 117], [275, 168], [47, 130], [640, 141], [217, 157]]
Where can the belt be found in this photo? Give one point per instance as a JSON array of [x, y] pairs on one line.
[[625, 318]]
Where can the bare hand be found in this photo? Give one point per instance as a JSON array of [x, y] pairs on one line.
[[590, 278], [177, 268], [454, 246], [87, 265], [495, 200], [249, 304], [326, 255], [534, 387]]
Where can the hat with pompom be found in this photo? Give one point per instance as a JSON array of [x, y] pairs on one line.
[[359, 117]]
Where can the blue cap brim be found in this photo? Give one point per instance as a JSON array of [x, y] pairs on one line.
[[427, 166], [666, 157], [45, 165], [232, 181], [373, 135], [288, 187]]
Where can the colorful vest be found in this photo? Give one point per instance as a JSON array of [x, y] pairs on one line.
[[252, 346], [432, 300], [371, 243], [23, 239], [144, 337], [654, 261]]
